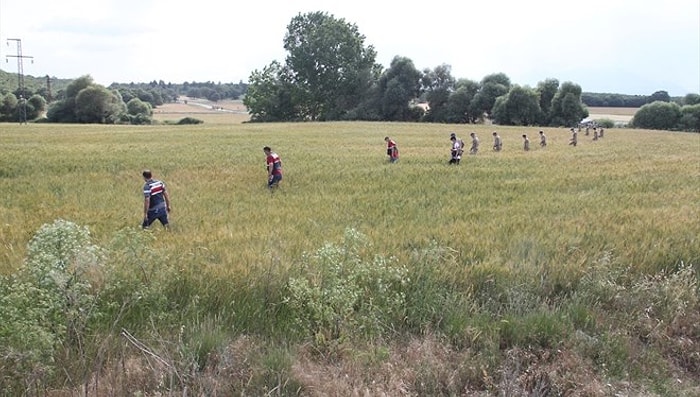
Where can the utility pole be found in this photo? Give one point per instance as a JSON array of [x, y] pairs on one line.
[[49, 97], [22, 108]]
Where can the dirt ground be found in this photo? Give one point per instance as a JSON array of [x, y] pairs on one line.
[[227, 111]]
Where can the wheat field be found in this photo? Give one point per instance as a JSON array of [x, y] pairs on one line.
[[627, 192]]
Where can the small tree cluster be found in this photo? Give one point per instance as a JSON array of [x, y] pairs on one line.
[[662, 115], [84, 101], [14, 109]]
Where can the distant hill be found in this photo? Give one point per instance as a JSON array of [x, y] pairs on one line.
[[9, 82]]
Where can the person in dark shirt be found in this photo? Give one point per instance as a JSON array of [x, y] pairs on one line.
[[156, 201]]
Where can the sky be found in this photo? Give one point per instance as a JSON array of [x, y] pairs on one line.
[[634, 47]]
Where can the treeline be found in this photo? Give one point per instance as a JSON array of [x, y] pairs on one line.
[[607, 100], [56, 98], [329, 74]]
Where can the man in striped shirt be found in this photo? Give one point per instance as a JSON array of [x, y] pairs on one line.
[[274, 168], [156, 202]]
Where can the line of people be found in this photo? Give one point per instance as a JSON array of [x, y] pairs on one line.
[[458, 145], [157, 206]]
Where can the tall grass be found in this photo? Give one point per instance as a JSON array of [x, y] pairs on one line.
[[510, 257]]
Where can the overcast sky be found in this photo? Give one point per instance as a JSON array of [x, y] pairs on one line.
[[615, 46]]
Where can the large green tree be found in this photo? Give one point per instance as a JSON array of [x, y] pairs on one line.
[[659, 115], [270, 96], [690, 118], [519, 107], [85, 101], [398, 86], [329, 63], [492, 87], [459, 103], [567, 108], [547, 89], [438, 84]]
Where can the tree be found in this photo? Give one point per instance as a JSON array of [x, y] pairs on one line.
[[690, 118], [657, 115], [519, 107], [398, 86], [459, 109], [659, 96], [547, 90], [139, 112], [8, 107], [567, 108], [329, 64], [438, 85], [36, 105], [492, 86], [691, 99], [270, 97], [97, 104], [84, 101]]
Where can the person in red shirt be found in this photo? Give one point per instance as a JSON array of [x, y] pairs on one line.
[[274, 168], [391, 150]]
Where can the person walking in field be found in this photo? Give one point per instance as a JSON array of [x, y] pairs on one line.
[[497, 142], [595, 134], [156, 201], [475, 144], [456, 150], [274, 168], [543, 139], [526, 143], [391, 150], [574, 140]]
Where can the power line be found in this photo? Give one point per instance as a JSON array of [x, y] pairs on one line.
[[22, 108]]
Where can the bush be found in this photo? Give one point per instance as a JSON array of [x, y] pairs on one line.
[[605, 123], [47, 304], [189, 120], [342, 295], [658, 116]]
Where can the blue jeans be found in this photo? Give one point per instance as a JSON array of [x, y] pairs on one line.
[[274, 180], [159, 213]]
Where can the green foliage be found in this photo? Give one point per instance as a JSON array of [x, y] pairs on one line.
[[658, 116], [96, 104], [139, 112], [567, 109], [691, 99], [661, 96], [270, 97], [48, 304], [520, 106], [189, 121], [492, 87], [690, 118], [437, 84], [328, 64], [345, 296], [605, 123], [87, 102], [398, 86]]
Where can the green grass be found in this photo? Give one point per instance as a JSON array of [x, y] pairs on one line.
[[509, 250]]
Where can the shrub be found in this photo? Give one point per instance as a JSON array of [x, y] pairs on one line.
[[47, 304], [342, 295], [605, 123], [189, 120]]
